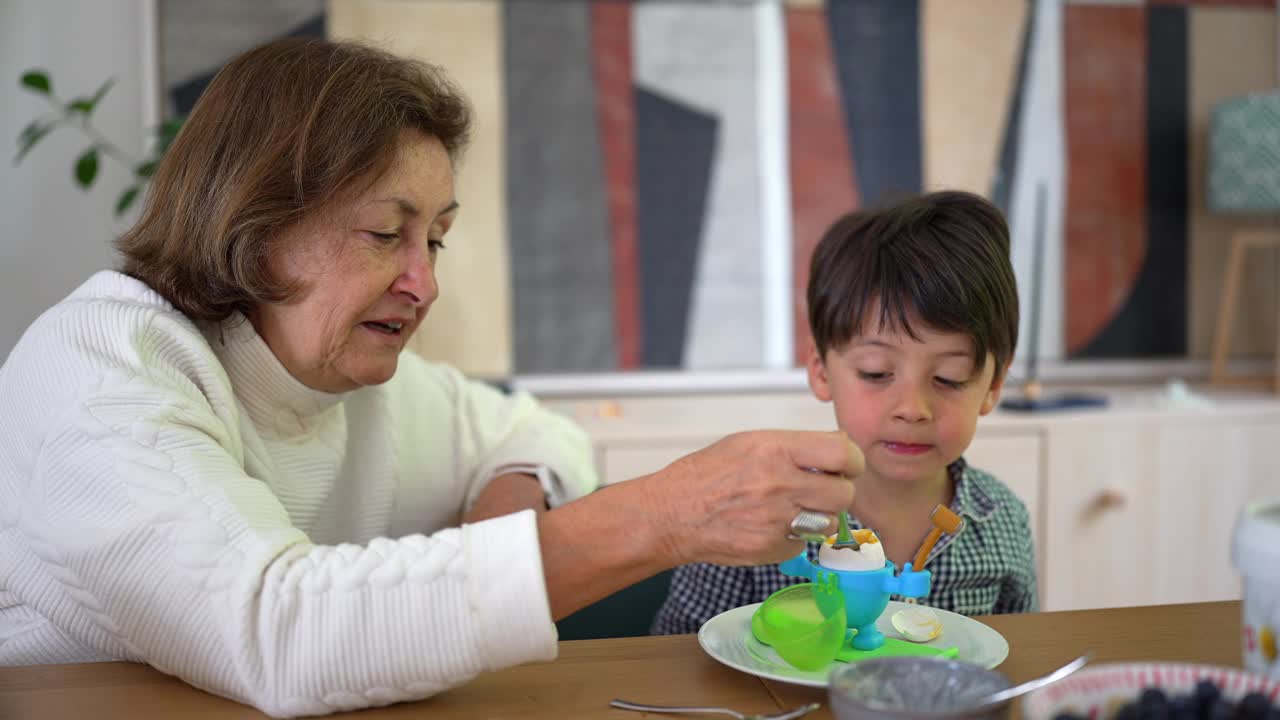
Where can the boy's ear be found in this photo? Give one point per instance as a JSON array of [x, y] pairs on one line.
[[992, 399], [817, 369]]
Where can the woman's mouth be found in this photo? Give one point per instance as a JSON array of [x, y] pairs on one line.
[[391, 327]]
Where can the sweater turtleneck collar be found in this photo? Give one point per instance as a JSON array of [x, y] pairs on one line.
[[273, 397]]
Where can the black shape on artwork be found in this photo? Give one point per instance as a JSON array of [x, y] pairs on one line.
[[184, 95], [675, 149], [876, 47]]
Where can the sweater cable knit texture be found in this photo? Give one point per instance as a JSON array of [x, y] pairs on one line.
[[171, 495]]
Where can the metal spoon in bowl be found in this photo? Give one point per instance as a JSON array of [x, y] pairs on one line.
[[1028, 686]]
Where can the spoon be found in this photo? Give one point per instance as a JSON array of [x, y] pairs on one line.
[[784, 715], [844, 538], [1028, 686]]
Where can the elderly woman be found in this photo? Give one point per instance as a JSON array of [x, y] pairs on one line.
[[220, 462]]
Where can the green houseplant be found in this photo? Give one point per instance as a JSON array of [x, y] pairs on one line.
[[78, 113]]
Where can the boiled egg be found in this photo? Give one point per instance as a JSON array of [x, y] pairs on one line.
[[868, 556], [917, 624]]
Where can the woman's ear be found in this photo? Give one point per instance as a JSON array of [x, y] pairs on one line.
[[817, 369], [992, 399]]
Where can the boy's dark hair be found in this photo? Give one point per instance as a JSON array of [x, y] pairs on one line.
[[942, 257]]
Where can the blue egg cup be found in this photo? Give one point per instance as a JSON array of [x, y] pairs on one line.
[[866, 593]]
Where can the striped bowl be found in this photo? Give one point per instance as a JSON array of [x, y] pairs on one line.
[[1098, 691]]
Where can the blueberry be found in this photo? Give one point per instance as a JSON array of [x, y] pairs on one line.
[[1253, 706], [1205, 693], [1128, 711], [1203, 696], [1067, 716], [1219, 709], [1182, 707], [1153, 704]]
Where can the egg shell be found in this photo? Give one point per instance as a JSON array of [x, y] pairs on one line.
[[868, 556], [917, 624]]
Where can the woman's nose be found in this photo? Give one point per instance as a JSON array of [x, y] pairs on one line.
[[417, 281]]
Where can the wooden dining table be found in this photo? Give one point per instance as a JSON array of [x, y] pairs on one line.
[[671, 670]]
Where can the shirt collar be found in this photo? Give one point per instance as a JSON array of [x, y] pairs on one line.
[[971, 498]]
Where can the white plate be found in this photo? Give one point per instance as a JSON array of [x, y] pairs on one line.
[[727, 638]]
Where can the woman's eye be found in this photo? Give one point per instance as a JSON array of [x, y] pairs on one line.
[[435, 245], [873, 376], [386, 238]]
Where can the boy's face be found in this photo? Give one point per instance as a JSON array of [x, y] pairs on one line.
[[911, 405]]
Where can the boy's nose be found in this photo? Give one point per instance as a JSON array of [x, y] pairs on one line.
[[912, 405]]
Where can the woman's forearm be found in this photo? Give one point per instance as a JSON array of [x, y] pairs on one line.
[[507, 494], [599, 544], [730, 503]]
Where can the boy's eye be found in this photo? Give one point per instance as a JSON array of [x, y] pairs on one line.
[[873, 376], [952, 384]]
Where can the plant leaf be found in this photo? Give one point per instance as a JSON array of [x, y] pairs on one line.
[[38, 81], [31, 135], [126, 199], [102, 91], [146, 169], [86, 105], [167, 132], [87, 167]]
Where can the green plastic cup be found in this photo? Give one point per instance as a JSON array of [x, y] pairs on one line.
[[804, 623]]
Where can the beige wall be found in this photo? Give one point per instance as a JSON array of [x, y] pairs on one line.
[[969, 64], [470, 325], [1225, 46]]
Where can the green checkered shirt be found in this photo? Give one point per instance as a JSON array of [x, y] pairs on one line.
[[987, 567]]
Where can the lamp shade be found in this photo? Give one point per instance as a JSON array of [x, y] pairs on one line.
[[1244, 155]]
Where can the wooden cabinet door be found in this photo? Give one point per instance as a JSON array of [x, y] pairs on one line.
[[1214, 470], [1142, 513]]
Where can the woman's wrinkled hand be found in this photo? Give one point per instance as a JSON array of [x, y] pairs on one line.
[[732, 503]]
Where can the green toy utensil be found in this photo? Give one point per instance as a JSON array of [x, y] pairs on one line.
[[844, 538]]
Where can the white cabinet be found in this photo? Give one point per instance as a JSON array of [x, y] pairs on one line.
[[1142, 513], [635, 436], [621, 461]]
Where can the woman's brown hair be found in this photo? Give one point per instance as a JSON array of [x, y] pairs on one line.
[[280, 132]]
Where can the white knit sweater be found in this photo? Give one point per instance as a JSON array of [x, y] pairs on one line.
[[177, 498]]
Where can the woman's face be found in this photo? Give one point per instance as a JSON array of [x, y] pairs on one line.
[[365, 269]]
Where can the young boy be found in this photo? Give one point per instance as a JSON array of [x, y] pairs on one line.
[[914, 315]]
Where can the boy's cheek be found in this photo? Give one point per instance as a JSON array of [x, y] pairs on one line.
[[957, 436], [859, 426]]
